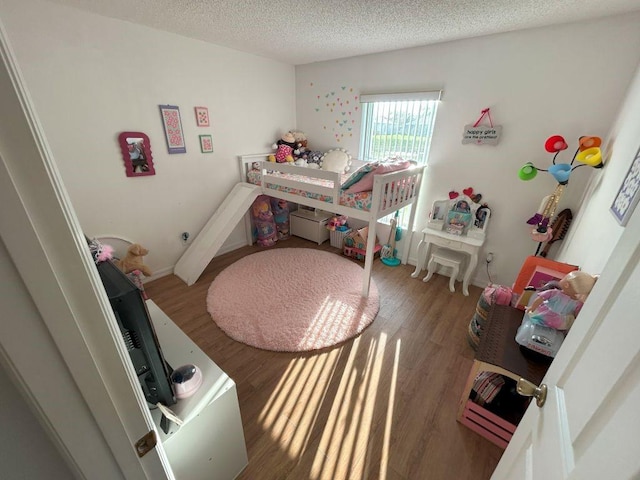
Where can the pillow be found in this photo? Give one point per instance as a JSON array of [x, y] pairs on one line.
[[366, 183], [356, 176], [337, 160]]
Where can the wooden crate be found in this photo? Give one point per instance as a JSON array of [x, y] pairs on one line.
[[490, 426]]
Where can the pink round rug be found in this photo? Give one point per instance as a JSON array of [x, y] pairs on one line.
[[292, 300]]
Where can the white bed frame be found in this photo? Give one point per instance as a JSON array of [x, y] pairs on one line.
[[381, 204]]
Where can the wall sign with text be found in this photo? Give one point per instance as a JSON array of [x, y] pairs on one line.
[[482, 134]]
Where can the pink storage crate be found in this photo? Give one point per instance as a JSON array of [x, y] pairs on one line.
[[487, 424]]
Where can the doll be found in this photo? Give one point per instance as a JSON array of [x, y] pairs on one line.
[[264, 221], [551, 313], [284, 149], [558, 308]]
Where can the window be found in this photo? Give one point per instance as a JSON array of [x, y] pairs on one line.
[[398, 125]]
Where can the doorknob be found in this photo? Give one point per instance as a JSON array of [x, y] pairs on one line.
[[528, 389]]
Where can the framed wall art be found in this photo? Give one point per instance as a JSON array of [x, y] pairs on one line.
[[628, 194], [206, 144], [202, 116], [173, 128]]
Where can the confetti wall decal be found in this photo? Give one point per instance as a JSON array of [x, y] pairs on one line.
[[336, 110]]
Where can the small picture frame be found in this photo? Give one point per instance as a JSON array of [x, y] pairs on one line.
[[202, 116], [628, 194], [206, 144], [173, 128], [440, 210]]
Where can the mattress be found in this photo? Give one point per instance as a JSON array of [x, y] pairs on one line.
[[358, 201]]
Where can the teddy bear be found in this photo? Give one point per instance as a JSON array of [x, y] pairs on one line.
[[301, 144], [300, 138], [133, 260], [284, 149]]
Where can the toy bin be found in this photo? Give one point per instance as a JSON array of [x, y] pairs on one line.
[[336, 237]]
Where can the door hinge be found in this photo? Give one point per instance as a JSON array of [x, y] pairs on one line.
[[146, 443]]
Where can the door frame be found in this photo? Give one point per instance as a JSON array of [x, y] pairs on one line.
[[45, 243]]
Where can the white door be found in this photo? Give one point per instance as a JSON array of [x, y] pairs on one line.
[[589, 426], [74, 354]]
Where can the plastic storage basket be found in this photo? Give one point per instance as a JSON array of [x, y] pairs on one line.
[[336, 237]]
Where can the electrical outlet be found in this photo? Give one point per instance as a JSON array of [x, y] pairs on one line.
[[489, 257], [185, 237]]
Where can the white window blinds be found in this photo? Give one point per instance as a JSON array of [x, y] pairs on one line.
[[398, 125]]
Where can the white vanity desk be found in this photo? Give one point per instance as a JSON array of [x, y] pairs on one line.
[[468, 242]]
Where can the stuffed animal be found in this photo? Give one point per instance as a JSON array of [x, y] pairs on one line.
[[284, 149], [313, 158], [301, 144], [264, 222], [338, 223], [133, 260], [280, 209], [101, 252], [300, 138]]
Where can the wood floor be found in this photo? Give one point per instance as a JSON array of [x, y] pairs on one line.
[[381, 406]]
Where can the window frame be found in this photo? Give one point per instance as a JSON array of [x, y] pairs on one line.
[[366, 101]]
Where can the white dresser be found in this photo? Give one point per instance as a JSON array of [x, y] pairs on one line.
[[210, 444]]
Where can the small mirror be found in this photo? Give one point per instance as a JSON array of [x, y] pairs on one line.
[[136, 154]]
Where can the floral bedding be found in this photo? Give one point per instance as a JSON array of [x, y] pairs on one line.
[[359, 201]]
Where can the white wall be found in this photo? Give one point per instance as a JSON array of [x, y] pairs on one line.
[[567, 80], [596, 231], [25, 450], [93, 77]]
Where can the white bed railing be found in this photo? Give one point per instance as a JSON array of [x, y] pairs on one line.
[[391, 192]]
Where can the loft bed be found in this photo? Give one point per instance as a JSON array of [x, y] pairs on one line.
[[321, 189]]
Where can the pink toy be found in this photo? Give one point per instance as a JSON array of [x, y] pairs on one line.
[[558, 308], [338, 223], [280, 209], [106, 253], [264, 222], [100, 252], [284, 149], [498, 294]]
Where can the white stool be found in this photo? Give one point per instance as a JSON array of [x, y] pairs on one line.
[[446, 258]]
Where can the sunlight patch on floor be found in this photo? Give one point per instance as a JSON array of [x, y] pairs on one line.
[[290, 414], [386, 443], [334, 319], [342, 388]]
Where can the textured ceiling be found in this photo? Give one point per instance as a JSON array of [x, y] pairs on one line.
[[306, 31]]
